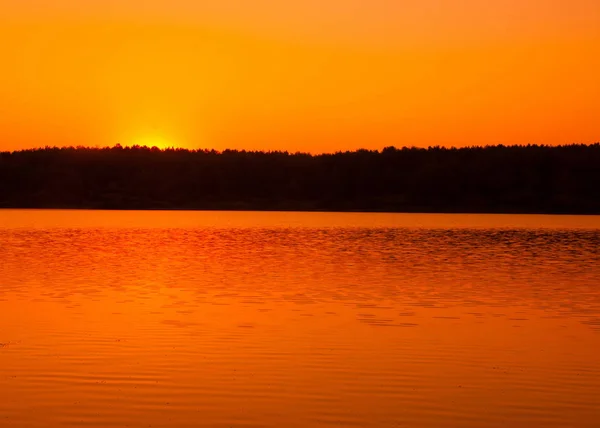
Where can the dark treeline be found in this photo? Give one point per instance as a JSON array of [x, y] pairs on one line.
[[527, 179]]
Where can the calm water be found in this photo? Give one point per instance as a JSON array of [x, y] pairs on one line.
[[190, 319]]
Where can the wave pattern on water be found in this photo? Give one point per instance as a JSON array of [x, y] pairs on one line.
[[303, 325]]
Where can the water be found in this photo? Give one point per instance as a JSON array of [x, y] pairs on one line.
[[192, 319]]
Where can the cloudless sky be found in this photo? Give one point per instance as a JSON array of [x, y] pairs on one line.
[[310, 75]]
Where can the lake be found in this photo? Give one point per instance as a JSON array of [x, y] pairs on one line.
[[248, 319]]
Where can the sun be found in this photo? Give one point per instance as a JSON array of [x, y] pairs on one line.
[[153, 141]]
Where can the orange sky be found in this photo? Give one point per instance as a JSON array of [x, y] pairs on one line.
[[310, 75]]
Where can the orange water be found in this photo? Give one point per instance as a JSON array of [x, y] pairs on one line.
[[192, 319]]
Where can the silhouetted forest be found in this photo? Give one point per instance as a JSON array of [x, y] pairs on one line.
[[511, 179]]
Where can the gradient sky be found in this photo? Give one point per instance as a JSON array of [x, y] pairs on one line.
[[310, 75]]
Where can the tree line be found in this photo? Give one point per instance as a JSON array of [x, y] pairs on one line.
[[495, 179]]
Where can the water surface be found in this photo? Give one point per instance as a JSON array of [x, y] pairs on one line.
[[189, 319]]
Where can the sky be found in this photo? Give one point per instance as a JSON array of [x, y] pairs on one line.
[[310, 75]]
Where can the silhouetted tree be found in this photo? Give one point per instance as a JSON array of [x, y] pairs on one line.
[[540, 179]]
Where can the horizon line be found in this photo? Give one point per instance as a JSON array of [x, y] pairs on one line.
[[155, 148]]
